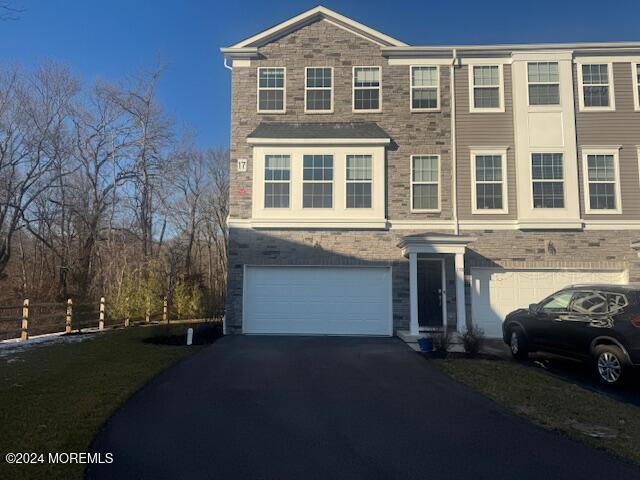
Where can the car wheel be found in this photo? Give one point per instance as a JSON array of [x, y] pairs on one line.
[[518, 344], [610, 364]]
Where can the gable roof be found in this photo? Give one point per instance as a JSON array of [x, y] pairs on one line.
[[313, 15]]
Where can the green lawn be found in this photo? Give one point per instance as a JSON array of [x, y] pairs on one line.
[[553, 403], [55, 397]]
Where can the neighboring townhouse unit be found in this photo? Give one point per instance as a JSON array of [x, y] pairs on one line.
[[378, 187]]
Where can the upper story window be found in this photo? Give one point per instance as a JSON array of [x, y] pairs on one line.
[[547, 173], [636, 84], [277, 179], [317, 181], [425, 88], [359, 180], [489, 182], [366, 89], [544, 83], [271, 90], [486, 88], [425, 183], [596, 84], [602, 181], [318, 94]]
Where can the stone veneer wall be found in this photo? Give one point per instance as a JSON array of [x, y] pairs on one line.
[[509, 249], [323, 44]]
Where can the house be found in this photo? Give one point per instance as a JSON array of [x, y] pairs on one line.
[[378, 187]]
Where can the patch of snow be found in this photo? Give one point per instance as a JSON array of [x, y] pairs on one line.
[[8, 348]]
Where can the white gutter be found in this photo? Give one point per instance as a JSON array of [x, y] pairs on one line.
[[454, 164], [226, 65]]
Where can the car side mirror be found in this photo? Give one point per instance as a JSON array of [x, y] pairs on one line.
[[533, 308]]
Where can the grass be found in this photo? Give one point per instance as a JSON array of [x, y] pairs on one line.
[[553, 403], [55, 397]]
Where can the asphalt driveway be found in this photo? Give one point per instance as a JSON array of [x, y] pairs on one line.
[[329, 408]]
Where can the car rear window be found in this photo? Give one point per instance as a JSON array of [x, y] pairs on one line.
[[617, 301]]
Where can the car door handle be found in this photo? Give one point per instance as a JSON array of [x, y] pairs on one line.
[[558, 320]]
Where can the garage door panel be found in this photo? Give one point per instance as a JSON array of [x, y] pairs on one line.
[[497, 292], [318, 300]]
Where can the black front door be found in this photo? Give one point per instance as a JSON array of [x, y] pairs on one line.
[[429, 293]]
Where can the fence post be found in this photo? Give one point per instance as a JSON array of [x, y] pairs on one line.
[[24, 334], [101, 322], [147, 313], [165, 311], [67, 324], [127, 315]]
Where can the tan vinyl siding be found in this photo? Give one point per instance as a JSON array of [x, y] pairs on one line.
[[478, 130], [621, 127]]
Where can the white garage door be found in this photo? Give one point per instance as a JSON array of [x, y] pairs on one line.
[[497, 292], [318, 300]]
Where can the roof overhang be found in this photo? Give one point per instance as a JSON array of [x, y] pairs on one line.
[[434, 243], [306, 18], [318, 141]]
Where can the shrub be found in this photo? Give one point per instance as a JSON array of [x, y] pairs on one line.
[[187, 300], [441, 341], [472, 340]]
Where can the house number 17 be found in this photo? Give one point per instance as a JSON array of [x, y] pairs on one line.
[[242, 164]]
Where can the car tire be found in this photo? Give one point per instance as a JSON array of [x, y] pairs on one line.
[[610, 364], [518, 344]]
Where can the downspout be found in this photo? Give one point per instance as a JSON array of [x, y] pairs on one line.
[[454, 164], [227, 65]]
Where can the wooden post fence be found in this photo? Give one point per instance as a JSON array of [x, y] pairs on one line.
[[165, 311], [101, 321], [24, 334], [69, 317], [127, 315]]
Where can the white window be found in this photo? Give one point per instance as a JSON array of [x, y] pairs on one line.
[[359, 181], [367, 89], [489, 181], [425, 88], [277, 178], [271, 90], [544, 83], [601, 181], [636, 84], [317, 181], [318, 90], [596, 86], [425, 183], [486, 88], [547, 173]]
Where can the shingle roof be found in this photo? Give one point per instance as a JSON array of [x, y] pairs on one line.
[[350, 130]]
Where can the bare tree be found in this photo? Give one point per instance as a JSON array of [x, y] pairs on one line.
[[33, 114]]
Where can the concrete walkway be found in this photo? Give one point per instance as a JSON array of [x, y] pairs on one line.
[[329, 408]]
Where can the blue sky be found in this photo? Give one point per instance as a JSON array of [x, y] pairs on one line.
[[110, 39]]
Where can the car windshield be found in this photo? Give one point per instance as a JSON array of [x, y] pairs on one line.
[[558, 302]]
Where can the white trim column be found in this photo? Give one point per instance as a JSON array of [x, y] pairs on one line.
[[414, 329], [461, 304]]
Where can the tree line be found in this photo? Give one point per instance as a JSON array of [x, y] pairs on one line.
[[101, 195]]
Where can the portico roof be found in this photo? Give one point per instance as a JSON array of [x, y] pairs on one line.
[[434, 243]]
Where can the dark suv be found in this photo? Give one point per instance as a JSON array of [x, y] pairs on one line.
[[600, 323]]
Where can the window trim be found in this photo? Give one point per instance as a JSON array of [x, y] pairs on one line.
[[317, 112], [353, 89], [636, 85], [612, 95], [529, 83], [615, 152], [265, 181], [347, 181], [284, 91], [500, 108], [532, 180], [412, 87], [333, 183], [425, 210], [502, 152]]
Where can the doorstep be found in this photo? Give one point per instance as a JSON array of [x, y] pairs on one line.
[[412, 340]]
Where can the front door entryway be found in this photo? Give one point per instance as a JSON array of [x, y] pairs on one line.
[[430, 296]]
